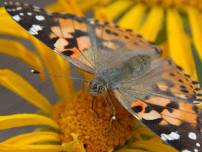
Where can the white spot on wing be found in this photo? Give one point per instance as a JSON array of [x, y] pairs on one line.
[[198, 145], [19, 8], [195, 150], [192, 136], [21, 14], [29, 13], [196, 102], [40, 17], [34, 30], [171, 136], [186, 150], [17, 18]]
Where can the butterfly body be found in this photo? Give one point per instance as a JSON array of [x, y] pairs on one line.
[[134, 66], [154, 90]]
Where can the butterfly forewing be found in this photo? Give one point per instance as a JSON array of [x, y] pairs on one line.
[[78, 39]]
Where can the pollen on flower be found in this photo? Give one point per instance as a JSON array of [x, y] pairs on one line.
[[94, 126]]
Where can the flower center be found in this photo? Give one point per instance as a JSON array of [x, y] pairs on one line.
[[93, 125]]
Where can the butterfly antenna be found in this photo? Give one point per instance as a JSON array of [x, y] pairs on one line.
[[61, 76]]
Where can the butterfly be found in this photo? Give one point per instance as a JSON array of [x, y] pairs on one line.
[[154, 90]]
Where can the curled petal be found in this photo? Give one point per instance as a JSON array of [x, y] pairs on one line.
[[30, 148], [32, 138], [11, 26], [17, 84], [59, 70], [21, 120], [16, 49]]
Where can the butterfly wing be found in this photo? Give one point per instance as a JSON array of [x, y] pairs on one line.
[[84, 42], [160, 102], [57, 33]]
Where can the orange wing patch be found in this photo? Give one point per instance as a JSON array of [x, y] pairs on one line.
[[170, 115], [140, 107]]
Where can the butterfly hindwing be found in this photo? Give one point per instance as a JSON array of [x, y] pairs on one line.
[[176, 83], [160, 104]]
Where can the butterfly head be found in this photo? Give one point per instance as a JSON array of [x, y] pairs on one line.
[[97, 87]]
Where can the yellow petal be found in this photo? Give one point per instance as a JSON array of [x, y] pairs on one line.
[[72, 5], [17, 84], [178, 42], [99, 2], [141, 131], [113, 10], [153, 23], [30, 148], [164, 47], [105, 2], [74, 146], [133, 18], [16, 49], [9, 26], [56, 7], [59, 70], [86, 5], [195, 21], [130, 150], [21, 120], [32, 138], [152, 146]]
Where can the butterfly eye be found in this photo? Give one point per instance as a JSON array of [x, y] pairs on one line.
[[101, 89], [94, 86]]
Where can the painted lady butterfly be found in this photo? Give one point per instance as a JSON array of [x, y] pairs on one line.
[[154, 90]]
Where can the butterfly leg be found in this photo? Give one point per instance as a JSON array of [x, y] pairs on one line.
[[93, 107], [110, 103]]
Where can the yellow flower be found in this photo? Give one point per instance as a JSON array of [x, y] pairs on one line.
[[174, 25], [71, 125]]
